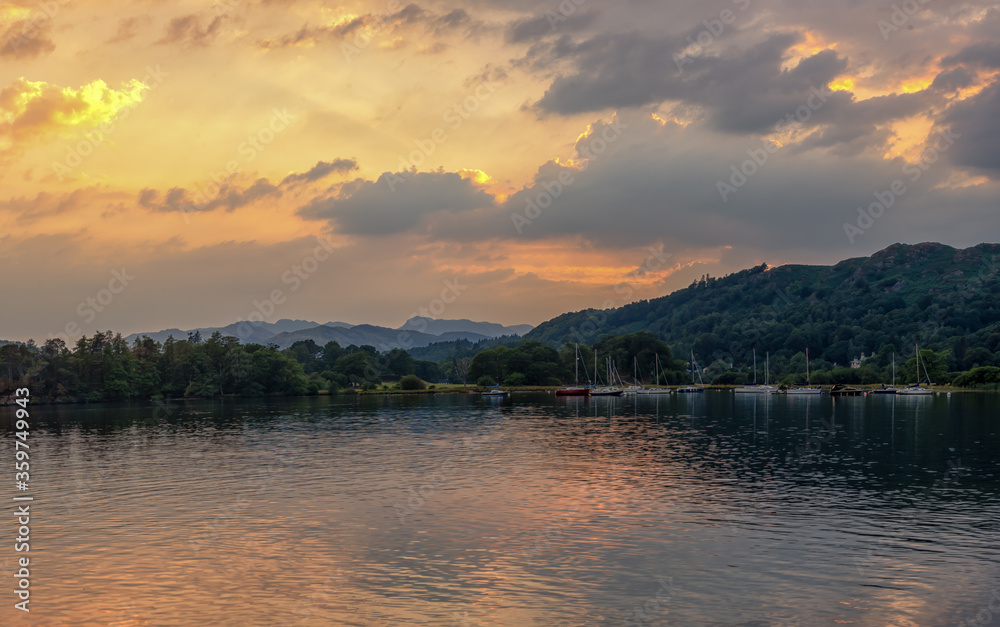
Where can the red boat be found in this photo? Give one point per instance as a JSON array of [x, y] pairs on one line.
[[573, 392]]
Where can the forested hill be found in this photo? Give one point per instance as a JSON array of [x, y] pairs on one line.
[[931, 294]]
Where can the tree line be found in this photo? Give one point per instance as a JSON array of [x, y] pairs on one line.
[[104, 367]]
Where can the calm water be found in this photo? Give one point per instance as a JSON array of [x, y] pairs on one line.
[[536, 510]]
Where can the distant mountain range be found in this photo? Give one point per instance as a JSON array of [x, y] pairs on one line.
[[415, 332]]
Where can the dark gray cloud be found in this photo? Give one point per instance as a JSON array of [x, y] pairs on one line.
[[985, 54], [977, 122], [659, 183], [952, 80], [744, 92], [396, 202], [320, 170], [549, 24], [231, 196]]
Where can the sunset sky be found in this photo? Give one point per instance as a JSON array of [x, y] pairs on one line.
[[545, 157]]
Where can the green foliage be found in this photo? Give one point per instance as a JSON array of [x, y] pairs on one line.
[[945, 300], [515, 379], [411, 382], [486, 381], [985, 377]]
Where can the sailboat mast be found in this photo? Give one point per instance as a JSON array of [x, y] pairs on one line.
[[576, 362], [755, 366], [808, 379]]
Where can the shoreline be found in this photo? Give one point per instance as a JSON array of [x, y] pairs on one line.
[[450, 390]]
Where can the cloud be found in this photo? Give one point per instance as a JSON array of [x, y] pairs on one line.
[[320, 170], [533, 29], [361, 29], [24, 39], [396, 203], [744, 91], [976, 121], [188, 31], [128, 28], [35, 110], [984, 54], [231, 196]]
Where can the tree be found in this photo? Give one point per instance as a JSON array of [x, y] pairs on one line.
[[411, 382]]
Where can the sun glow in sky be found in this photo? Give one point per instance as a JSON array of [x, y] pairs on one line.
[[536, 152]]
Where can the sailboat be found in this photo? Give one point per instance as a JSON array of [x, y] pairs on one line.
[[757, 389], [692, 389], [576, 390], [637, 386], [890, 390], [657, 389], [605, 390], [916, 389], [807, 389]]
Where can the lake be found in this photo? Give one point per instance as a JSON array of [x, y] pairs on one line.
[[710, 509]]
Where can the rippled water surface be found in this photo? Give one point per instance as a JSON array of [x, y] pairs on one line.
[[711, 509]]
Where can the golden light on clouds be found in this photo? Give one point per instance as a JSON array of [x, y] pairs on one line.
[[845, 83], [35, 110], [917, 84], [476, 176], [13, 12], [909, 137], [812, 44]]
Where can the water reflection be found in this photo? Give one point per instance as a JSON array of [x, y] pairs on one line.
[[712, 509]]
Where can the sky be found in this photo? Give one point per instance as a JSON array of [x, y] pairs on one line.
[[174, 164]]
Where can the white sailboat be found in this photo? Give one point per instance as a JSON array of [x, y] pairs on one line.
[[692, 389], [757, 389], [807, 389], [605, 390], [889, 390], [635, 387], [657, 389], [917, 389]]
